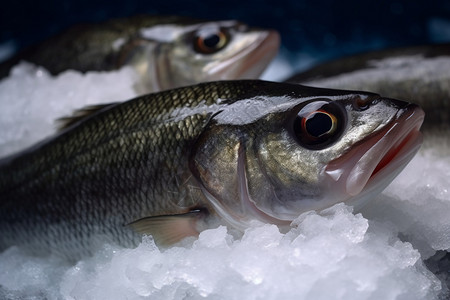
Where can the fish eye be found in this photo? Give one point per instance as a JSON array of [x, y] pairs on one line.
[[319, 124], [210, 41]]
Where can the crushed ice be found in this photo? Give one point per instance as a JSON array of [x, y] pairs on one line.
[[335, 254]]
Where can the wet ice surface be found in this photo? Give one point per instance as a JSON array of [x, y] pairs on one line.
[[335, 254]]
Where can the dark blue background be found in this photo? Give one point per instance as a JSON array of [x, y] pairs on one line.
[[322, 28]]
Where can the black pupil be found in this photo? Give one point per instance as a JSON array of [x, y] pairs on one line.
[[212, 41], [318, 124]]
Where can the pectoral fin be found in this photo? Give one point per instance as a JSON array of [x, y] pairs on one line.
[[169, 229]]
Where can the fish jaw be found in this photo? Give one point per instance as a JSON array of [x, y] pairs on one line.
[[368, 168], [250, 62]]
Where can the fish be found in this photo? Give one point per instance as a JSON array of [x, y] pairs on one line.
[[418, 74], [174, 163], [165, 51]]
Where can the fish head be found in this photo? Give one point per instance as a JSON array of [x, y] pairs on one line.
[[185, 54], [272, 156]]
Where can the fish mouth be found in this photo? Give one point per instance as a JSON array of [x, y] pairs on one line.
[[371, 165], [259, 56], [250, 62]]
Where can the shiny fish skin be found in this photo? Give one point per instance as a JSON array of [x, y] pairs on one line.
[[92, 162], [161, 49], [215, 151]]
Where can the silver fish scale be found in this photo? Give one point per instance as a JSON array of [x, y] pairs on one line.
[[116, 166], [122, 163]]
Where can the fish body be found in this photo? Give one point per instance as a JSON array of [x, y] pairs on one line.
[[417, 74], [166, 51], [173, 163]]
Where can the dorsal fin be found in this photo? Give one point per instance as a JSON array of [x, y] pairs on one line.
[[80, 114]]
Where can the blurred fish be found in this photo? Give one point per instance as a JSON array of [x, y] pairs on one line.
[[173, 163], [166, 51], [418, 74]]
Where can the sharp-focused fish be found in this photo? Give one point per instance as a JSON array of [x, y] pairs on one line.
[[172, 163], [167, 52], [417, 74]]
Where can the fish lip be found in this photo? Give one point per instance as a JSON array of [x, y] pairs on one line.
[[250, 62], [381, 156], [259, 56]]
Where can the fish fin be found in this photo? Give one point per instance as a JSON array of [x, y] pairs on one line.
[[80, 114], [169, 229]]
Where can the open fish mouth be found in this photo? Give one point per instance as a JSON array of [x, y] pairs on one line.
[[379, 158]]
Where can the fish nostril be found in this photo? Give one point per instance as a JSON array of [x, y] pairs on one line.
[[362, 102]]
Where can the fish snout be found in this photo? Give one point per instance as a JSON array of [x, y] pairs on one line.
[[375, 161]]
